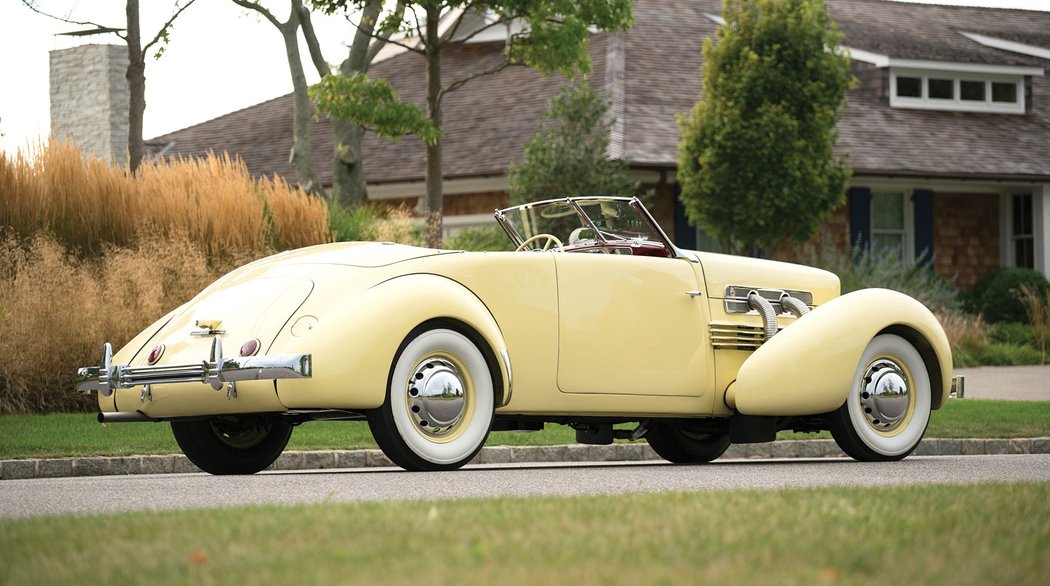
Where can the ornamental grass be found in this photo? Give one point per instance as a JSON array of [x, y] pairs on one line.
[[89, 254]]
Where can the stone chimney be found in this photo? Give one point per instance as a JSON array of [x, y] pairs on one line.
[[89, 99]]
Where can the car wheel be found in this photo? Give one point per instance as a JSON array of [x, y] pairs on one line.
[[888, 406], [229, 446], [676, 443], [439, 403]]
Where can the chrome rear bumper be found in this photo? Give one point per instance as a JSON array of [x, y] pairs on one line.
[[958, 390], [216, 371]]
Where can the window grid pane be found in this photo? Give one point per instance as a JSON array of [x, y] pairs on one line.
[[1003, 92], [909, 87], [942, 89], [972, 91], [887, 211]]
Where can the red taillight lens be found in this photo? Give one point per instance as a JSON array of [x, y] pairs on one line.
[[155, 354], [250, 348]]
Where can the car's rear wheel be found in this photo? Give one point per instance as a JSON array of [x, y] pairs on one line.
[[439, 403], [678, 444], [888, 406], [232, 446]]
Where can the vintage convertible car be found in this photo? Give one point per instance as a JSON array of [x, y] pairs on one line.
[[596, 320]]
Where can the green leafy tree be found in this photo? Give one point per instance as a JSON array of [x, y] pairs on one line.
[[568, 153], [757, 165], [547, 35]]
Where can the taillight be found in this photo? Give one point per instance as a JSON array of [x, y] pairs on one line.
[[155, 354], [251, 347]]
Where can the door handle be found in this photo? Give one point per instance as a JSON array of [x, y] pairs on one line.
[[694, 293]]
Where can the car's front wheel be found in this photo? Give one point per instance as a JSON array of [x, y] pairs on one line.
[[232, 446], [888, 406], [679, 444], [439, 403]]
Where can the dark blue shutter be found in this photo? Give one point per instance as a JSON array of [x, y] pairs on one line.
[[684, 234], [923, 202], [859, 218]]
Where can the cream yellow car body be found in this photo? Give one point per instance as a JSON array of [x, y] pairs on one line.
[[614, 329]]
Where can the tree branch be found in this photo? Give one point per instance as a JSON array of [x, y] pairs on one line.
[[32, 6], [312, 43], [260, 9], [480, 30], [164, 29], [463, 81], [384, 38]]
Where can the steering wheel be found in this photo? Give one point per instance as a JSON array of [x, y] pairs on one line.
[[551, 239]]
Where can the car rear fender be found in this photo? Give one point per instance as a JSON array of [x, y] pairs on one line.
[[809, 366], [354, 343]]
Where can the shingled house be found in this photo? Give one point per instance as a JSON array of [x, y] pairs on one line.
[[948, 129]]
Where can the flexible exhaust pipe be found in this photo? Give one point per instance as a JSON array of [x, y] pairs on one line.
[[765, 309], [794, 305]]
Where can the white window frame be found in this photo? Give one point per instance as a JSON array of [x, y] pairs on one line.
[[1009, 238], [907, 232], [957, 103]]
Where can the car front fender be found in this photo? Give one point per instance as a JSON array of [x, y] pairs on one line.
[[808, 367], [354, 342]]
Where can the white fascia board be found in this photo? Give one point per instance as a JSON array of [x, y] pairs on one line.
[[880, 60], [405, 189], [1005, 45], [875, 59], [715, 19]]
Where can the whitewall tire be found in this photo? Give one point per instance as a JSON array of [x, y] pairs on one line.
[[888, 407], [439, 403]]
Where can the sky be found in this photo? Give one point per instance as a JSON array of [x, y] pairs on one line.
[[221, 58]]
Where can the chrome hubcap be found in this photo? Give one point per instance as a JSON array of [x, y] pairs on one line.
[[436, 397], [884, 395]]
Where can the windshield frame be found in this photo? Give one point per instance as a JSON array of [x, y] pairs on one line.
[[600, 240]]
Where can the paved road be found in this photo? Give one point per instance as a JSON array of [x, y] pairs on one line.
[[21, 498], [1016, 383]]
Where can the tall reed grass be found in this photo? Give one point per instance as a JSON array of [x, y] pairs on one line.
[[90, 254], [212, 201], [1036, 304]]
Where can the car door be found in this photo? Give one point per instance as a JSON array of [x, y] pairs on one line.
[[628, 325]]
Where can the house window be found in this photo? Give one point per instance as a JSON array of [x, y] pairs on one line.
[[1021, 232], [963, 91], [889, 224]]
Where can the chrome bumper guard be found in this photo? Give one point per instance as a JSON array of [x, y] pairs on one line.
[[216, 371], [958, 390]]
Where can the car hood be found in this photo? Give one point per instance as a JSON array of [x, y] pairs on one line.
[[722, 270]]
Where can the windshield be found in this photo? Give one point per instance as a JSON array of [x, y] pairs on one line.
[[581, 222]]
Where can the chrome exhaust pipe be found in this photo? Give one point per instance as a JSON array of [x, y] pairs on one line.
[[124, 417]]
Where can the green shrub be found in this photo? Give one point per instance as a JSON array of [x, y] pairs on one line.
[[864, 270], [489, 238], [996, 297], [353, 224], [1012, 333], [1007, 355]]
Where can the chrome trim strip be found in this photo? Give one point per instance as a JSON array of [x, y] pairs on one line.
[[510, 378], [735, 297], [216, 371]]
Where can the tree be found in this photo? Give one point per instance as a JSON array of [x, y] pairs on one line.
[[348, 184], [551, 37], [756, 158], [567, 154], [136, 73]]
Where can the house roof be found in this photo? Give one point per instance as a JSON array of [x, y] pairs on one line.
[[652, 72]]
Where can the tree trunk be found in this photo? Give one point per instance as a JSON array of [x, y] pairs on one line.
[[301, 155], [136, 76], [348, 174], [434, 197]]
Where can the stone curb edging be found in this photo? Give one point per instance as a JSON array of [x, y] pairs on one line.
[[329, 459]]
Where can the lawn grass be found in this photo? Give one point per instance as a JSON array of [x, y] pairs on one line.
[[59, 435], [960, 535]]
